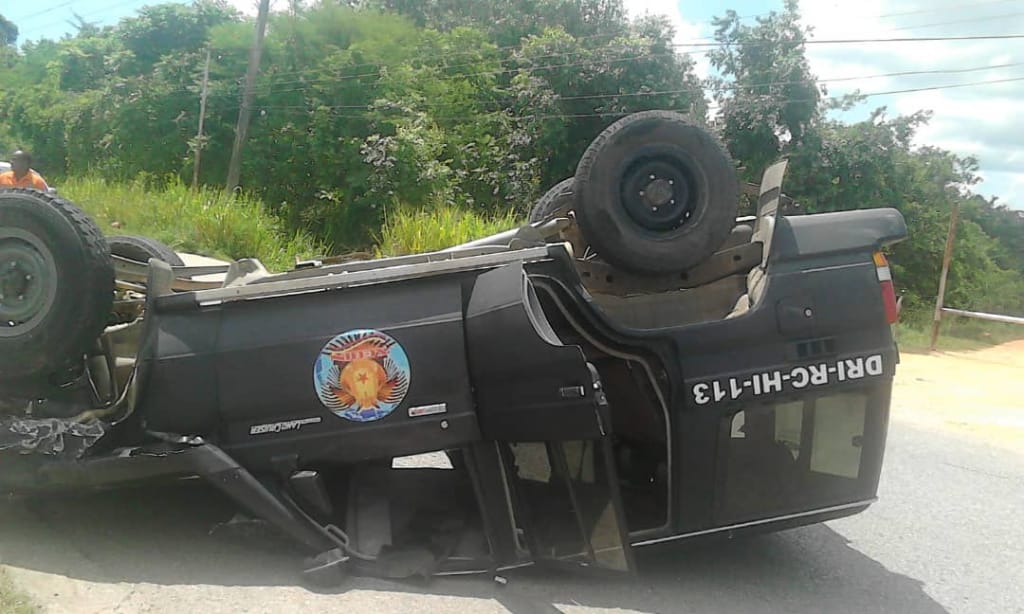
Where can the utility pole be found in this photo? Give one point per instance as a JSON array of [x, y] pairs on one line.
[[202, 117], [947, 258], [242, 130]]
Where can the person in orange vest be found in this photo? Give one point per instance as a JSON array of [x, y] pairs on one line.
[[20, 175]]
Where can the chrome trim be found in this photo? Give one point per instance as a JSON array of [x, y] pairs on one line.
[[754, 523], [470, 572], [276, 287], [334, 265]]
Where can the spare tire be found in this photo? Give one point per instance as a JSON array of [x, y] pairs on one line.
[[56, 285], [655, 193], [556, 200], [141, 249]]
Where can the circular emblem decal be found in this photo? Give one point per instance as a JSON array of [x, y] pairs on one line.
[[362, 375]]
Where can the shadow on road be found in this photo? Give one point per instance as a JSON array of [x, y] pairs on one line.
[[162, 537]]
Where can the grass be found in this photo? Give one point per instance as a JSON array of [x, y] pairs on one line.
[[957, 335], [12, 600], [207, 222], [441, 224]]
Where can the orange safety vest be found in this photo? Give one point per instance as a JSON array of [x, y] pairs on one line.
[[31, 179]]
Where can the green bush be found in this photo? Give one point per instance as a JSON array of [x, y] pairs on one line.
[[440, 224], [207, 222]]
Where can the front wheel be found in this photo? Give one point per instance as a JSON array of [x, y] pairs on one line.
[[56, 285]]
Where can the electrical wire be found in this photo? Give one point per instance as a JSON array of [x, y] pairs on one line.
[[959, 21], [273, 88], [848, 41], [31, 16], [308, 108], [728, 86], [92, 13], [970, 5]]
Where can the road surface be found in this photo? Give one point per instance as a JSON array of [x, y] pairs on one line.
[[946, 536]]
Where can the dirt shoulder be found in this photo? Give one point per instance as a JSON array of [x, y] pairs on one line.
[[979, 394], [12, 599]]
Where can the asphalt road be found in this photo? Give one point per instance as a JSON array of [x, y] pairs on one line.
[[946, 536]]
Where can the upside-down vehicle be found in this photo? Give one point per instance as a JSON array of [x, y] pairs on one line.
[[635, 366]]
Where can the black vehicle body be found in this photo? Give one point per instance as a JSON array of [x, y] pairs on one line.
[[566, 426]]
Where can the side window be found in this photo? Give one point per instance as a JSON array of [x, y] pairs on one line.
[[838, 435], [792, 455]]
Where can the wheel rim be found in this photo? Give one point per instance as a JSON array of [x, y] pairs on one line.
[[28, 281], [659, 194]]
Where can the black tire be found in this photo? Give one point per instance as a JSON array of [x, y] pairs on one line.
[[557, 199], [141, 249], [58, 282], [655, 193]]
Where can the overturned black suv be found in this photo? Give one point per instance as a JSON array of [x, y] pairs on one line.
[[635, 366]]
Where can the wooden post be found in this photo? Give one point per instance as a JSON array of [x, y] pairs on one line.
[[242, 130], [202, 118], [947, 258]]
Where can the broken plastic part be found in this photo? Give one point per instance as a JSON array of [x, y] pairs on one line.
[[52, 436], [326, 568]]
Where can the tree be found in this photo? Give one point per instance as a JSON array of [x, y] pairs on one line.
[[8, 32], [163, 29], [363, 106], [508, 22], [567, 91], [768, 95], [772, 106]]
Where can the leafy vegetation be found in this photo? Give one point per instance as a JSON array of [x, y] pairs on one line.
[[207, 221], [772, 107], [464, 111], [409, 230]]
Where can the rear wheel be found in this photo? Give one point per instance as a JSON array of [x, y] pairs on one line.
[[56, 285], [556, 202], [655, 193], [141, 249]]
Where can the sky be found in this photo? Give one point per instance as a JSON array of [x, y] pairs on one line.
[[978, 119]]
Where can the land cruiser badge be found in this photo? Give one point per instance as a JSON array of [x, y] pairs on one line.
[[362, 375]]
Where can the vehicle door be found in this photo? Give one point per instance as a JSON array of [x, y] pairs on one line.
[[541, 407]]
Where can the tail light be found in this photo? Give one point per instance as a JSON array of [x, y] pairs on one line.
[[892, 310]]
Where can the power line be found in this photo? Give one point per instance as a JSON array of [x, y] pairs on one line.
[[603, 114], [305, 83], [941, 87], [971, 5], [736, 86], [959, 21], [711, 43], [272, 88], [846, 41], [43, 12], [269, 90], [682, 45], [83, 15]]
